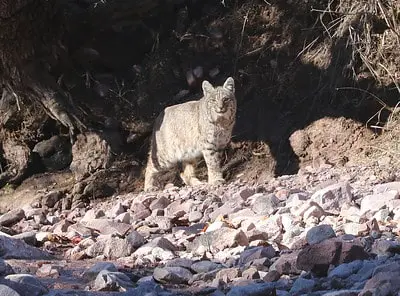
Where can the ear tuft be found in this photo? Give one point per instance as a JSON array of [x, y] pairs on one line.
[[229, 84], [207, 87]]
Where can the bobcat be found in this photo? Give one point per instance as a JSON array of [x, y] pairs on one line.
[[184, 132]]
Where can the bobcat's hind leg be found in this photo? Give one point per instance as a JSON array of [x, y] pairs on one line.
[[188, 175], [151, 176]]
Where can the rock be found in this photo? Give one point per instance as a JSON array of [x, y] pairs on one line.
[[218, 240], [302, 286], [254, 253], [28, 237], [90, 153], [319, 233], [112, 248], [343, 293], [345, 270], [136, 239], [382, 284], [91, 273], [159, 203], [172, 275], [250, 274], [158, 242], [355, 229], [123, 218], [381, 188], [314, 211], [26, 284], [17, 249], [180, 262], [107, 227], [286, 264], [116, 210], [383, 247], [51, 198], [228, 274], [92, 214], [163, 223], [264, 204], [112, 281], [5, 268], [332, 197], [264, 289], [55, 153], [318, 257], [195, 216], [7, 291], [48, 270], [205, 266], [389, 267], [375, 202], [12, 217], [81, 229], [272, 276]]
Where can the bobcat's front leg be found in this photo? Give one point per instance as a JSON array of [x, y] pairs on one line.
[[213, 160]]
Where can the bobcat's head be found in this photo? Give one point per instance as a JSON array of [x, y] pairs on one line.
[[220, 99]]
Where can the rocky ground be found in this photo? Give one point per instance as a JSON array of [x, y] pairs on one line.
[[326, 231]]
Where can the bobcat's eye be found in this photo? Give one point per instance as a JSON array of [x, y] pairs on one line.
[[226, 99]]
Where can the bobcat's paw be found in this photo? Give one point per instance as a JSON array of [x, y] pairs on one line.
[[195, 182], [217, 181]]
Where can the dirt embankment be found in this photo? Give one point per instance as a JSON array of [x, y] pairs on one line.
[[315, 81]]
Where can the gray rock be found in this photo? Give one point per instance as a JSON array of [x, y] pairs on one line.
[[195, 216], [28, 237], [384, 247], [332, 197], [12, 217], [172, 275], [11, 248], [5, 268], [159, 242], [91, 273], [111, 248], [302, 286], [265, 289], [112, 281], [51, 198], [264, 204], [374, 202], [205, 266], [342, 293], [180, 262], [116, 210], [159, 203], [319, 233], [254, 253], [26, 285], [250, 273], [107, 226], [7, 291], [286, 264], [382, 284], [228, 274], [218, 240], [136, 239], [345, 270]]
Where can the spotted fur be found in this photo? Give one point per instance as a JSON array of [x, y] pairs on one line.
[[182, 133]]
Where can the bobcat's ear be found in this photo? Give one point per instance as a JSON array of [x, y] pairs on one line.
[[229, 84], [207, 87]]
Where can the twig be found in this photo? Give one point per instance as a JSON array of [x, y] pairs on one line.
[[246, 18]]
